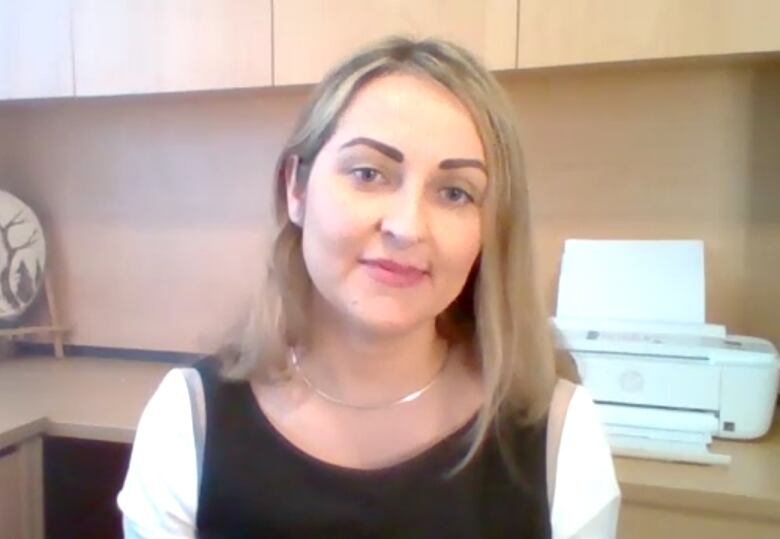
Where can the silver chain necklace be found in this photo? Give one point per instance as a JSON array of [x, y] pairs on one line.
[[414, 395]]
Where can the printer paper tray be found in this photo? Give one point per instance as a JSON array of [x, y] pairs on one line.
[[629, 446], [658, 418], [663, 434], [659, 434]]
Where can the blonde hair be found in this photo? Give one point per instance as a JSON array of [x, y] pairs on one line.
[[498, 311]]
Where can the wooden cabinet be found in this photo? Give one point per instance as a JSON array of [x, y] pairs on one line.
[[147, 46], [21, 490], [83, 478], [96, 47], [648, 521], [310, 36], [11, 502], [35, 52], [667, 500], [567, 32]]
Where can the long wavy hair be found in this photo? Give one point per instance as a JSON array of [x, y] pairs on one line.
[[498, 312]]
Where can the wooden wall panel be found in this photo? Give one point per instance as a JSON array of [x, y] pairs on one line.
[[311, 36], [35, 49], [567, 32], [158, 206], [150, 46]]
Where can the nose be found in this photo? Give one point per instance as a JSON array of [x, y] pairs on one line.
[[405, 221]]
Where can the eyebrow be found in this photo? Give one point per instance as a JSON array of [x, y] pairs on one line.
[[396, 155], [393, 153], [449, 164]]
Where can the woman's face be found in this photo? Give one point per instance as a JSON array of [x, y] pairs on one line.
[[391, 212]]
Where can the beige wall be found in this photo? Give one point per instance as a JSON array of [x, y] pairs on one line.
[[762, 249], [688, 151], [640, 154], [157, 206]]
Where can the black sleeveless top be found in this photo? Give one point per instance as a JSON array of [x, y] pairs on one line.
[[257, 484]]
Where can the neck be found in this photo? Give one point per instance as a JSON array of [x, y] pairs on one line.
[[368, 367]]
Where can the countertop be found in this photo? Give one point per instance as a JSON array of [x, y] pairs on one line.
[[91, 398], [749, 486], [102, 399]]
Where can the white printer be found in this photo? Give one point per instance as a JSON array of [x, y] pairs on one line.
[[631, 313]]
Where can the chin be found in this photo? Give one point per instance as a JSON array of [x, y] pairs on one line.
[[388, 324]]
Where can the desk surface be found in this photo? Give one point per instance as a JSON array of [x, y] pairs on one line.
[[99, 399], [102, 399]]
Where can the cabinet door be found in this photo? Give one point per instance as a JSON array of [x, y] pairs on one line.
[[310, 36], [147, 46], [564, 32], [21, 490], [10, 493], [82, 480], [35, 49]]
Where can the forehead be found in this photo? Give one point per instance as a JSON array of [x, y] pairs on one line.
[[415, 115]]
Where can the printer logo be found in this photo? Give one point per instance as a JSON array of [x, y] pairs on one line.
[[632, 381]]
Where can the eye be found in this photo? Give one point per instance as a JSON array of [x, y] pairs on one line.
[[456, 195], [365, 174]]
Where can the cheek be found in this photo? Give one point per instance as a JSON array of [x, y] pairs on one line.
[[459, 245], [333, 224]]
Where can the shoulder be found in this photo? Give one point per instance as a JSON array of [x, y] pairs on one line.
[[159, 493], [587, 495], [581, 414], [167, 407], [166, 418]]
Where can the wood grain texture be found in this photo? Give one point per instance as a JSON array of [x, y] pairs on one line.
[[94, 399], [31, 472], [762, 253], [147, 46], [661, 152], [35, 49], [21, 490], [84, 393], [311, 36], [748, 488], [177, 189], [11, 515], [639, 521], [568, 32]]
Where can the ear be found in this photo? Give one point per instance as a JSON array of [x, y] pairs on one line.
[[295, 191]]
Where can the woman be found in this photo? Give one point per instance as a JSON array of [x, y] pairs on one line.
[[396, 378]]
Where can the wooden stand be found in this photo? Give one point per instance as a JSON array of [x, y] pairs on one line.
[[55, 329]]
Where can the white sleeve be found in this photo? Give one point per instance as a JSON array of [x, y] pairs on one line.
[[587, 496], [159, 496]]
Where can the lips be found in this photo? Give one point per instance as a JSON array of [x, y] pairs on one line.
[[392, 273], [395, 267]]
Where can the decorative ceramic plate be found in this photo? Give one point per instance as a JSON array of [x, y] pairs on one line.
[[22, 258]]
